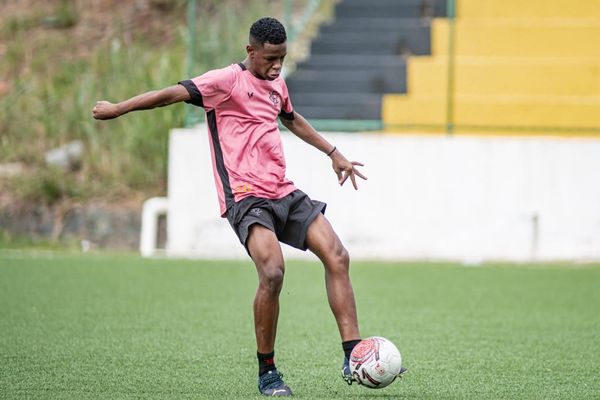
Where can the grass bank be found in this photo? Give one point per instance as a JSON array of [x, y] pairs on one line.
[[62, 56]]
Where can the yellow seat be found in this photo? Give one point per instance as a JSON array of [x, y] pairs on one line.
[[542, 9], [518, 65], [511, 112], [505, 76], [528, 37]]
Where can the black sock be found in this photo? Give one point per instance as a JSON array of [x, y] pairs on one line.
[[266, 362], [349, 346]]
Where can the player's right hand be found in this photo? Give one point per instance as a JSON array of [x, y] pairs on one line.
[[105, 110]]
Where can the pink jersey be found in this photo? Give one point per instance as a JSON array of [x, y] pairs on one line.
[[241, 112]]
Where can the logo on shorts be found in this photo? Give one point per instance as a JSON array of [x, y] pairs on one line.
[[256, 211]]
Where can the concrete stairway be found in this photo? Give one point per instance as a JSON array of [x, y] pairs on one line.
[[361, 56]]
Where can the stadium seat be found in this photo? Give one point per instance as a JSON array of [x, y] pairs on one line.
[[518, 67]]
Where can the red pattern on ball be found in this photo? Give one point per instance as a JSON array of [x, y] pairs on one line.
[[364, 350]]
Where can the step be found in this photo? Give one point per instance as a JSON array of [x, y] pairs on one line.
[[510, 111], [369, 11], [350, 75], [431, 8], [417, 40], [346, 61], [346, 125], [400, 47], [536, 38], [381, 3], [364, 24], [336, 99], [339, 112], [529, 8], [350, 81], [504, 77], [381, 37], [364, 86], [347, 74]]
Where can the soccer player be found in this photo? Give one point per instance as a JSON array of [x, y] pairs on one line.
[[242, 104]]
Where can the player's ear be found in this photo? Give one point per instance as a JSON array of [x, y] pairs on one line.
[[250, 50]]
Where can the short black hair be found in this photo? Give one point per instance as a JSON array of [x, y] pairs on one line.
[[267, 30]]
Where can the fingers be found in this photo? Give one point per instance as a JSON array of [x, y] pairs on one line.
[[353, 180], [343, 179], [360, 175], [352, 175], [338, 172], [349, 174], [104, 110], [348, 170], [357, 172], [97, 111]]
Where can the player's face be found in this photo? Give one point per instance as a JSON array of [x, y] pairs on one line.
[[267, 60]]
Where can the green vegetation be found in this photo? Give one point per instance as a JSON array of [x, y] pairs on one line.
[[64, 17], [57, 67], [9, 240], [75, 326]]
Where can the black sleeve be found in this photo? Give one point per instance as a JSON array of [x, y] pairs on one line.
[[289, 116], [196, 96]]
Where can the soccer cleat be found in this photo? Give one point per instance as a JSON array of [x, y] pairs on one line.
[[271, 384], [402, 371], [346, 373]]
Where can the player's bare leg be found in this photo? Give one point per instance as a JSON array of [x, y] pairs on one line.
[[265, 251], [325, 244]]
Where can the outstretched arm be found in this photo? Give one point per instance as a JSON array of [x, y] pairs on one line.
[[343, 168], [144, 101]]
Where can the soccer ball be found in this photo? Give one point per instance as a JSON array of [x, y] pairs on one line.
[[375, 362]]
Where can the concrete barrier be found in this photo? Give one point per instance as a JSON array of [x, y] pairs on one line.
[[428, 197]]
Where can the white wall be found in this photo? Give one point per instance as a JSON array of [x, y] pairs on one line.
[[427, 197]]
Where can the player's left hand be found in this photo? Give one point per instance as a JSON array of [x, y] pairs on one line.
[[345, 169]]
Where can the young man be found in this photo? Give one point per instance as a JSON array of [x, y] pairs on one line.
[[242, 104]]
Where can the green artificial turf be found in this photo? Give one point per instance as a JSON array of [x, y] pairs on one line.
[[110, 327]]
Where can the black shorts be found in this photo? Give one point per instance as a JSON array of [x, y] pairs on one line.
[[288, 217]]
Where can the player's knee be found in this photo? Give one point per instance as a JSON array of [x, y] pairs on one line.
[[344, 257], [271, 279], [340, 259]]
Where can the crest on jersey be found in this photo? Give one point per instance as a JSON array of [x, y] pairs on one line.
[[275, 98]]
